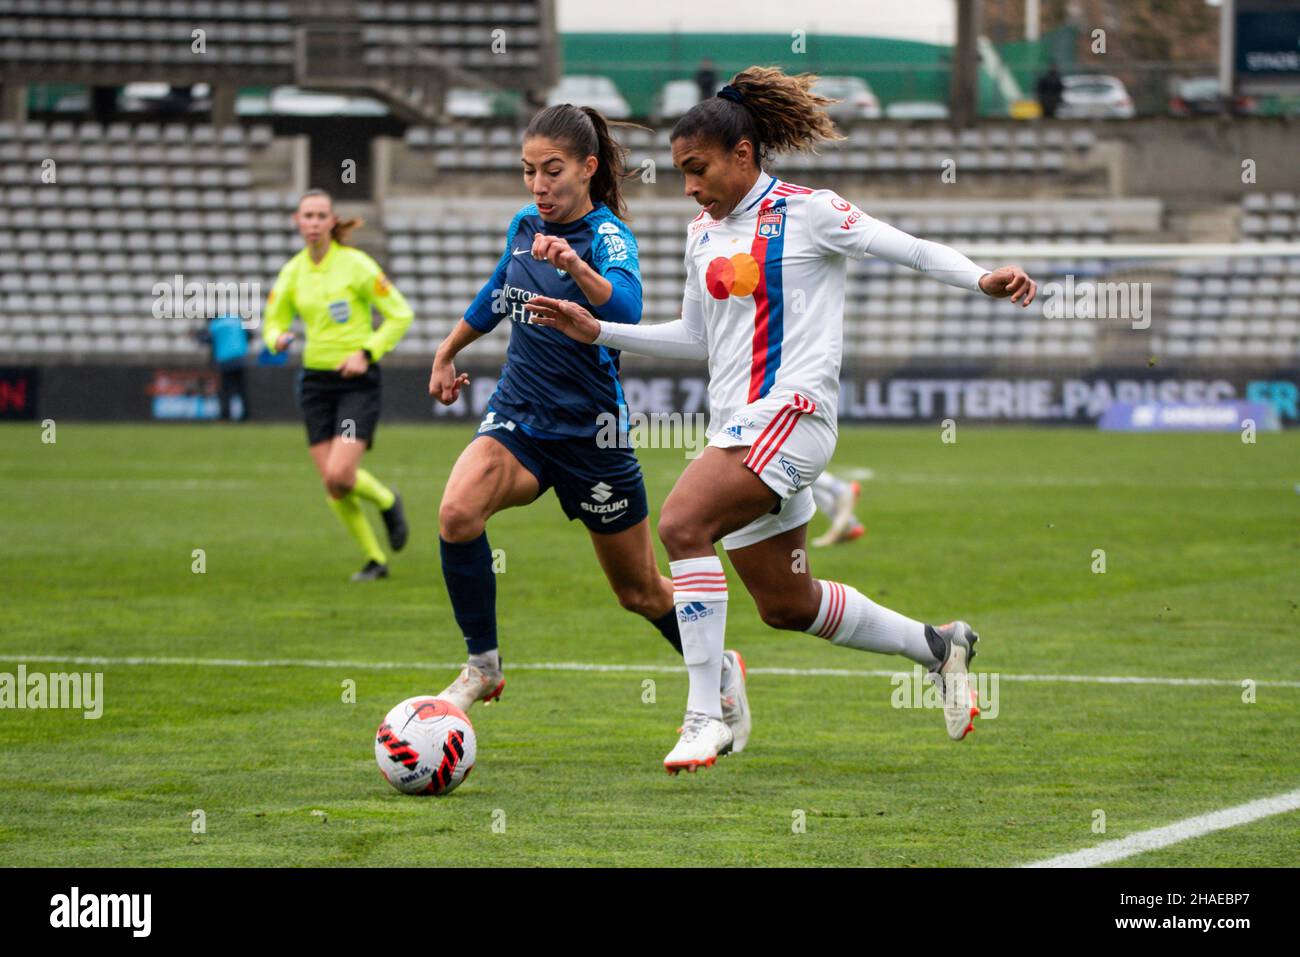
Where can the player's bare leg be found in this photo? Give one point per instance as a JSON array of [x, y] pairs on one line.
[[485, 479], [777, 575], [628, 560]]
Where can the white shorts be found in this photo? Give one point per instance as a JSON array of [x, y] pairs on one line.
[[789, 446]]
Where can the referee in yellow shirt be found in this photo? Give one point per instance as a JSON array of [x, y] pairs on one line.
[[333, 287]]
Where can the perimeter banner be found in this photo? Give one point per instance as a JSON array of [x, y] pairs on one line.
[[931, 396]]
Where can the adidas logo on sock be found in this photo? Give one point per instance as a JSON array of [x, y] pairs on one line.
[[693, 611]]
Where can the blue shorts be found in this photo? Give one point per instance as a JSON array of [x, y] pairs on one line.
[[601, 486]]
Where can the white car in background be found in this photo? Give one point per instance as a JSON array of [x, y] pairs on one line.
[[162, 98], [468, 103], [594, 91], [916, 110], [1094, 96], [858, 102], [292, 101], [674, 99]]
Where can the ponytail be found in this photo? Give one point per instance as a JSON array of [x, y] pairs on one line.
[[776, 112], [342, 230], [582, 132]]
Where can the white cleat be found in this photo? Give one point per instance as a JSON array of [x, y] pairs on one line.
[[703, 740], [845, 526], [474, 684], [960, 702], [735, 701]]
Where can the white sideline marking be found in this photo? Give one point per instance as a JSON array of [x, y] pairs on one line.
[[591, 666], [1159, 837]]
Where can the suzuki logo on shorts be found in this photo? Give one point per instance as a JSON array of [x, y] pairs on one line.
[[491, 422], [609, 511], [694, 611]]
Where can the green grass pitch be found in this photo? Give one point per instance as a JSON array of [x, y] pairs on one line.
[[99, 530]]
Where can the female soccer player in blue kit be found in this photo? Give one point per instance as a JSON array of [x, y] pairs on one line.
[[555, 400]]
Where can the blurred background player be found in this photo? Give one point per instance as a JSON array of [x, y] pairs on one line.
[[837, 499], [228, 341], [558, 403], [333, 287], [773, 389]]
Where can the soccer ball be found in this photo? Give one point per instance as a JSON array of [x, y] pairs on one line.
[[425, 746]]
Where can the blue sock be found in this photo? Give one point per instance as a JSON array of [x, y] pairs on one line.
[[472, 587], [667, 625]]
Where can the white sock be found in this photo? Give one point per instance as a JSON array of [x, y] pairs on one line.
[[849, 618], [827, 489], [700, 597]]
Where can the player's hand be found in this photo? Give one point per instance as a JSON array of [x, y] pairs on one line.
[[284, 341], [569, 317], [556, 251], [444, 383], [354, 365], [1010, 282]]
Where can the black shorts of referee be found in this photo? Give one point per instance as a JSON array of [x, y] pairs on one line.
[[333, 405]]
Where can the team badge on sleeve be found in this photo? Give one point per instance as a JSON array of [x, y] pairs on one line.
[[382, 285]]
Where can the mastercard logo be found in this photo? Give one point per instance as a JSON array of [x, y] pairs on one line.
[[736, 275]]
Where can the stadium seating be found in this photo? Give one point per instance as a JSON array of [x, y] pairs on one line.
[[135, 204], [1271, 217], [1234, 307], [869, 148], [457, 34], [130, 207], [39, 35], [85, 35]]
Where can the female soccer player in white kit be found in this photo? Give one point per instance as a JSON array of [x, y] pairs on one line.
[[764, 302]]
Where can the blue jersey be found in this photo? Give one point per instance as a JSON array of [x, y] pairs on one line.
[[552, 386]]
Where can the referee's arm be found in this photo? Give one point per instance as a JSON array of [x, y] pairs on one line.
[[277, 317], [392, 305]]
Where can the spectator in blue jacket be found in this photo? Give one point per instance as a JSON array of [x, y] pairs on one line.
[[229, 343]]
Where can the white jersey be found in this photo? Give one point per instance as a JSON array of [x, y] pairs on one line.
[[768, 282], [764, 297]]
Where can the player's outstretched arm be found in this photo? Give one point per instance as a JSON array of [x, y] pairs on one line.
[[665, 340], [948, 265], [444, 383]]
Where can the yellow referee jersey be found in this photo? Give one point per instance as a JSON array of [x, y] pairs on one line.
[[334, 298]]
